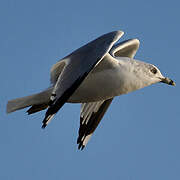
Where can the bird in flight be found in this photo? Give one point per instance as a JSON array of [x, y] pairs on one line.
[[92, 75]]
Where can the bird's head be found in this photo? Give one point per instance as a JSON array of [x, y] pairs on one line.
[[155, 75], [139, 74]]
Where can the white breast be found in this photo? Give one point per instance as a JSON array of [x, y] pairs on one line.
[[100, 84]]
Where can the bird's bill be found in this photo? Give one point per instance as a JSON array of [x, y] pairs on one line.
[[168, 81]]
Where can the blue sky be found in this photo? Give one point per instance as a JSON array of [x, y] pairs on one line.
[[138, 137]]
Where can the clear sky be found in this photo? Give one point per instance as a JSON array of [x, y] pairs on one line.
[[138, 138]]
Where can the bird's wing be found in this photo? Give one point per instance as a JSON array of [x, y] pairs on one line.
[[126, 48], [91, 115], [78, 65], [56, 71]]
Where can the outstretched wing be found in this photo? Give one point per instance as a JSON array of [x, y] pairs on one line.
[[91, 115], [78, 65], [126, 48]]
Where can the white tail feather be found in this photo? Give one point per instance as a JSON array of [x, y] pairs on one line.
[[35, 99]]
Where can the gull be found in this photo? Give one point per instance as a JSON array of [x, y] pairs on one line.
[[92, 75]]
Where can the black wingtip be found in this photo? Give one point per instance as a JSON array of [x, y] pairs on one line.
[[81, 146], [45, 120], [44, 123], [78, 140], [43, 126]]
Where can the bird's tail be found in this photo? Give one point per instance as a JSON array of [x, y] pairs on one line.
[[37, 102]]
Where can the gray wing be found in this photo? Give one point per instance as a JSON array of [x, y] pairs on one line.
[[126, 48], [78, 65], [91, 115], [56, 70]]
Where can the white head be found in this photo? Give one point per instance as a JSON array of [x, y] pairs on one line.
[[139, 74]]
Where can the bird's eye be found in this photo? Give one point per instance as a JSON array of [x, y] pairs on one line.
[[154, 70]]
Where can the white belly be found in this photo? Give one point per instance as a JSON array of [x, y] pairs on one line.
[[98, 86]]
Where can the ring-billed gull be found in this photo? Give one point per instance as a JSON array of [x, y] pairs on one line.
[[92, 75]]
